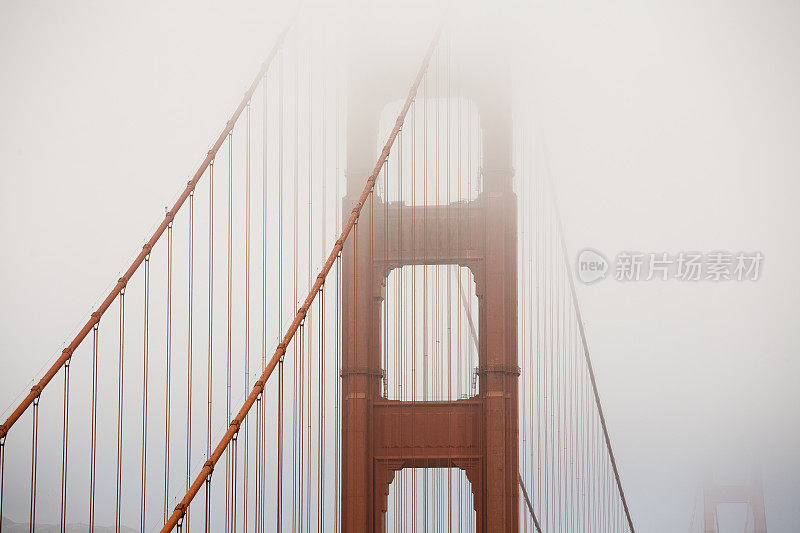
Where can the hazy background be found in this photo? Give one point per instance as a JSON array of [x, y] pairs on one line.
[[671, 126]]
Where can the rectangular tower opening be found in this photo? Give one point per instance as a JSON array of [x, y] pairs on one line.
[[430, 499], [437, 158], [429, 344]]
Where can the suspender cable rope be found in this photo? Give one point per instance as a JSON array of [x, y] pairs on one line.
[[64, 437], [246, 315], [310, 328], [413, 306], [34, 460], [170, 215], [260, 443], [2, 472], [167, 378], [321, 416], [120, 399], [228, 349], [210, 358], [257, 505], [234, 453], [321, 382], [280, 447], [189, 353], [296, 455], [146, 326], [337, 348], [93, 450], [425, 280], [303, 310], [280, 291]]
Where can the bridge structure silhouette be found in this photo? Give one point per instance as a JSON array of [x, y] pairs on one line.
[[357, 315]]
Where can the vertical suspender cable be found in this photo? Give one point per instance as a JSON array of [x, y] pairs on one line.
[[228, 345], [310, 328], [425, 280], [281, 89], [64, 440], [280, 447], [34, 459], [246, 316], [321, 395], [189, 353], [337, 329], [117, 522], [209, 373], [168, 370], [234, 453], [300, 428], [321, 416], [146, 329], [297, 455], [93, 450], [449, 272], [2, 475], [260, 432], [414, 269]]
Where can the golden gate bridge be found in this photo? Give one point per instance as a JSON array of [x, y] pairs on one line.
[[358, 315]]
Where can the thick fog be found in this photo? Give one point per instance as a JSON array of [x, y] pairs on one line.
[[666, 127]]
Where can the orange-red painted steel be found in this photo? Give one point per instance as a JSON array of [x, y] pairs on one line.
[[478, 435]]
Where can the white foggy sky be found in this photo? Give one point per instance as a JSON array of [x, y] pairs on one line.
[[671, 126]]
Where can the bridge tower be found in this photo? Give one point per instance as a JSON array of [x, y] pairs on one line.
[[478, 434], [751, 494]]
